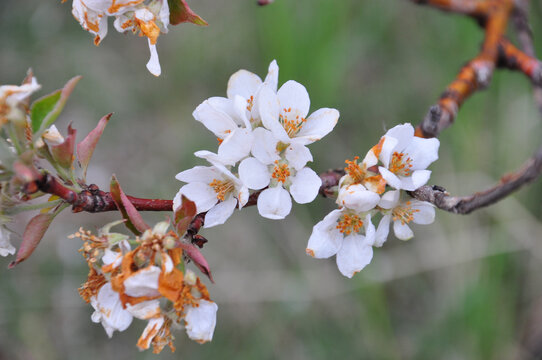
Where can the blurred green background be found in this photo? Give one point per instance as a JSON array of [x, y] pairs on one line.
[[466, 287]]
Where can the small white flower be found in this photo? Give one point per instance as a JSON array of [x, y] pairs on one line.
[[207, 185], [143, 282], [405, 158], [201, 321], [5, 244], [92, 17], [339, 234], [283, 180], [402, 213], [52, 136], [356, 197], [285, 114], [109, 311]]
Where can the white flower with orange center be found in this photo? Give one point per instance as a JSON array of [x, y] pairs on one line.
[[109, 310], [200, 321], [405, 158], [12, 98], [214, 189], [285, 112], [5, 244], [402, 212], [346, 234], [283, 179]]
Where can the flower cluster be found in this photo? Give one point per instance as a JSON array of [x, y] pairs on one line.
[[148, 282], [144, 17], [376, 187], [263, 135]]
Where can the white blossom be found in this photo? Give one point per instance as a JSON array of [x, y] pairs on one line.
[[214, 189], [405, 158], [339, 233], [11, 97], [402, 212]]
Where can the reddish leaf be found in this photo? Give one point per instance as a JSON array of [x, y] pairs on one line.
[[32, 236], [86, 147], [134, 221], [197, 257], [184, 215], [180, 12], [63, 153]]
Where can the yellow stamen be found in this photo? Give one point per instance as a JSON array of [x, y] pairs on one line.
[[292, 126], [222, 188], [355, 171], [405, 213], [349, 223], [281, 172], [400, 164]]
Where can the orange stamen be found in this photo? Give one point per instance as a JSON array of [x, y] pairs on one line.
[[400, 164], [281, 172], [355, 171], [292, 126], [222, 188], [349, 223], [405, 214]]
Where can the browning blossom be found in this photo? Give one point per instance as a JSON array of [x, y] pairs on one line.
[[148, 282]]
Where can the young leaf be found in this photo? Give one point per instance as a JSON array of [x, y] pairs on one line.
[[63, 153], [85, 148], [134, 221], [180, 12], [184, 215], [197, 257], [45, 110], [33, 234]]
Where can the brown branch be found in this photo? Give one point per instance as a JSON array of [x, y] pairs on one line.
[[509, 183], [474, 8], [476, 74]]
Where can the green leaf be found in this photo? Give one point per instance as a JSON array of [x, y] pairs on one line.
[[45, 110], [41, 108]]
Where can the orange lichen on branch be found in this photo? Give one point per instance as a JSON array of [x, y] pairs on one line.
[[513, 58]]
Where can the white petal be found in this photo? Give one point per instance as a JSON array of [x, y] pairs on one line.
[[298, 155], [274, 203], [112, 257], [319, 124], [264, 147], [402, 231], [417, 179], [220, 212], [370, 231], [305, 186], [390, 199], [382, 231], [143, 282], [144, 310], [294, 95], [422, 152], [388, 147], [242, 196], [404, 134], [272, 77], [268, 107], [353, 255], [325, 239], [218, 122], [254, 174], [236, 146], [224, 105], [109, 310], [213, 158], [201, 321], [204, 174], [5, 245], [154, 64], [240, 106], [243, 83], [202, 194], [357, 198], [390, 178], [425, 214]]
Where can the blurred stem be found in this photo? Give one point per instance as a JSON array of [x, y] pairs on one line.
[[30, 207], [12, 133]]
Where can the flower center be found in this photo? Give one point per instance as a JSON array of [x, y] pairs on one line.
[[250, 103], [354, 170], [291, 125], [222, 188], [404, 214], [349, 223], [400, 164], [281, 172]]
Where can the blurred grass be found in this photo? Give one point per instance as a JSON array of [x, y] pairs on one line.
[[466, 287]]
